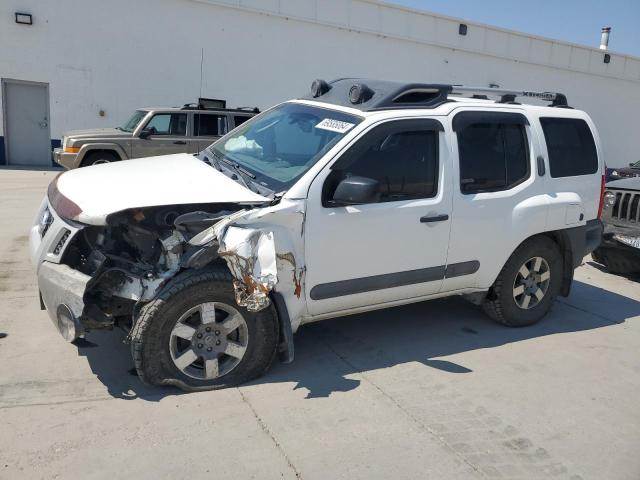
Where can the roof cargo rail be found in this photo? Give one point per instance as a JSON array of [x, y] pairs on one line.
[[372, 95], [509, 96]]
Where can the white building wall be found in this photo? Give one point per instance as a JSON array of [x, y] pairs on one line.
[[117, 55]]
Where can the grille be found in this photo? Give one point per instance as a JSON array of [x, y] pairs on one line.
[[627, 207]]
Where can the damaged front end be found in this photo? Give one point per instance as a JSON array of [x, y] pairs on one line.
[[125, 263], [251, 257], [107, 273]]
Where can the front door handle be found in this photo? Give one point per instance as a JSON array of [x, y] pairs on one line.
[[435, 218], [179, 142]]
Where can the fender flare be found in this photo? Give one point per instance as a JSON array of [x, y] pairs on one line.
[[92, 147], [285, 343]]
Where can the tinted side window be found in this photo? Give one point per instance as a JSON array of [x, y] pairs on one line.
[[402, 158], [240, 119], [208, 125], [168, 124], [571, 147], [493, 157]]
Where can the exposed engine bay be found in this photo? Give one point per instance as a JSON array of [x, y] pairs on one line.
[[131, 258]]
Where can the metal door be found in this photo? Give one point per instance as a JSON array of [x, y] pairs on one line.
[[26, 122]]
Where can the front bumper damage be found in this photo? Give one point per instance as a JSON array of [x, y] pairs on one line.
[[62, 291], [96, 287]]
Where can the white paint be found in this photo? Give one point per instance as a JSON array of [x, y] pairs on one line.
[[167, 180], [311, 245], [120, 55]]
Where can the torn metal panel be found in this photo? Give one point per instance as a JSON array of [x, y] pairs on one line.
[[283, 222], [251, 257]]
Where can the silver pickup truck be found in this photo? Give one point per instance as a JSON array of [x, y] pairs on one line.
[[149, 132]]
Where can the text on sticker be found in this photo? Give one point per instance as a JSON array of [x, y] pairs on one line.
[[334, 125]]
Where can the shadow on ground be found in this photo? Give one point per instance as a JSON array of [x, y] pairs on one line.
[[328, 352]]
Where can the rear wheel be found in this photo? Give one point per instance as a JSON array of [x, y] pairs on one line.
[[527, 285], [195, 336], [97, 158]]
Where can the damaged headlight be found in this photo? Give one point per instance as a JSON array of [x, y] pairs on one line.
[[45, 221]]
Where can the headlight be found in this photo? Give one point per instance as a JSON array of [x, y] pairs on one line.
[[609, 199], [615, 173], [45, 221]]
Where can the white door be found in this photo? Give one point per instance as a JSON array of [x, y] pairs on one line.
[[394, 246], [497, 203], [26, 122]]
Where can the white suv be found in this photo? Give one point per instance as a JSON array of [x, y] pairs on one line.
[[360, 196]]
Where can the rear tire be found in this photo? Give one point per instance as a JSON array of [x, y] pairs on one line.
[[528, 284], [158, 350], [97, 158]]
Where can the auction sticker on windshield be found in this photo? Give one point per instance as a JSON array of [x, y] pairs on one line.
[[334, 125]]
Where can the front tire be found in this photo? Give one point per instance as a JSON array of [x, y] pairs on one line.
[[528, 284], [98, 158], [193, 335]]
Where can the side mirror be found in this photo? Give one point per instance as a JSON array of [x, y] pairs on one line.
[[147, 132], [355, 191]]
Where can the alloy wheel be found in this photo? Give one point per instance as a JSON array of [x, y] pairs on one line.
[[531, 283], [209, 340]]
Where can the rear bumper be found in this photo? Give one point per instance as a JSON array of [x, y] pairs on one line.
[[62, 291], [584, 240], [67, 160]]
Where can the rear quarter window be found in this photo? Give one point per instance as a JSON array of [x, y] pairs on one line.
[[571, 147]]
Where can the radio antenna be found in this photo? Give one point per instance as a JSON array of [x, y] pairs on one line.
[[201, 63]]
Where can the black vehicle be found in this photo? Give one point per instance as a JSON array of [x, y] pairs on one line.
[[620, 248]]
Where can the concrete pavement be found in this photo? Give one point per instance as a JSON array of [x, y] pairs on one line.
[[433, 390]]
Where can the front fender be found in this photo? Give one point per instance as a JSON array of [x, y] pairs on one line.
[[92, 147]]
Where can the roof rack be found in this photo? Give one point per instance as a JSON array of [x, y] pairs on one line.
[[509, 96], [372, 95]]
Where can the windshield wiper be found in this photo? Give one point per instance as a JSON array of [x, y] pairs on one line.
[[243, 173]]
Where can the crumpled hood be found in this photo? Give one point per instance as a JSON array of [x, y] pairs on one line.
[[104, 189]]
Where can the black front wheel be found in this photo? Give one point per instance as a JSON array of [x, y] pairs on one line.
[[195, 336]]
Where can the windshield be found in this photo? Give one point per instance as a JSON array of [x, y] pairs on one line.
[[636, 165], [131, 124], [280, 145]]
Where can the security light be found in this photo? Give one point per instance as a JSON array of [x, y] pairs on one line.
[[24, 18]]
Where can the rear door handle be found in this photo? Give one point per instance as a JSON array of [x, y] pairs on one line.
[[179, 142], [435, 218]]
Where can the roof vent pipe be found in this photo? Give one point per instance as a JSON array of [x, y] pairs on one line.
[[604, 39]]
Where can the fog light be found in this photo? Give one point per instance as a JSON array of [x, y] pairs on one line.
[[319, 88], [67, 323], [360, 93]]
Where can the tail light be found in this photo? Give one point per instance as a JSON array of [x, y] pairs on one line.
[[61, 204], [602, 187]]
